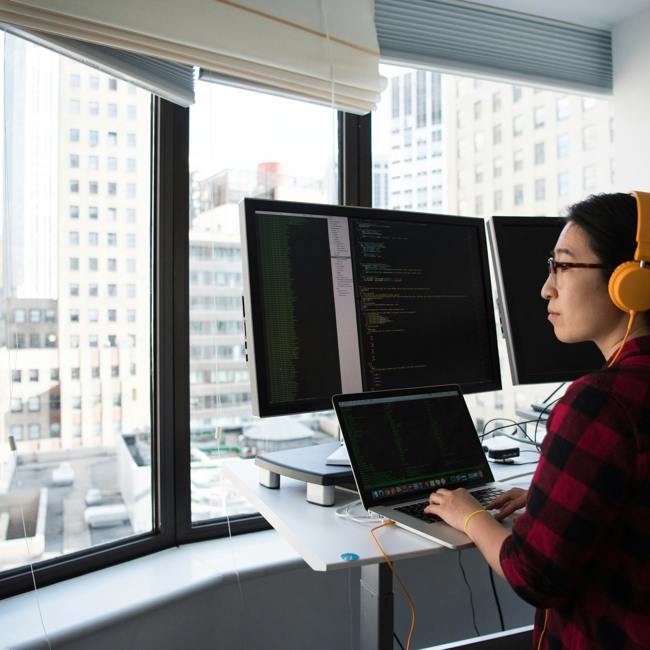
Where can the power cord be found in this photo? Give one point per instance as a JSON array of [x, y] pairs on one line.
[[399, 643], [364, 517], [469, 589], [399, 580], [496, 598]]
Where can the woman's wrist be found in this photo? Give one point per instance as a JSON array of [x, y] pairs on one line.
[[469, 518]]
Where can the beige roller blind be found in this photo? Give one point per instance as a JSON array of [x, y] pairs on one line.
[[321, 50]]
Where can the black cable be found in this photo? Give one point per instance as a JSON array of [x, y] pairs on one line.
[[553, 392], [496, 599], [399, 643], [471, 597]]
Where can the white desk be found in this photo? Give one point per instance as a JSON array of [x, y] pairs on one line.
[[321, 538]]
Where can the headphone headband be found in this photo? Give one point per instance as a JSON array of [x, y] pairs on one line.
[[642, 252]]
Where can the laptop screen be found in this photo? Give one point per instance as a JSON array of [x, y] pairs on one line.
[[410, 442]]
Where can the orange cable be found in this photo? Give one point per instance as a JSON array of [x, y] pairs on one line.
[[627, 333], [541, 636], [399, 580]]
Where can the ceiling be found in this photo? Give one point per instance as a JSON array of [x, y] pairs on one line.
[[600, 14]]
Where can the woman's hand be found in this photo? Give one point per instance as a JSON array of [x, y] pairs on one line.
[[508, 502], [453, 506]]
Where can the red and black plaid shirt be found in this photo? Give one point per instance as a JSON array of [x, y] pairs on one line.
[[582, 547]]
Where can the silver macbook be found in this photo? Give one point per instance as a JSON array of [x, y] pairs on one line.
[[405, 444]]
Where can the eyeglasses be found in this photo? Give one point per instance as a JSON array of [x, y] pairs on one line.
[[553, 266]]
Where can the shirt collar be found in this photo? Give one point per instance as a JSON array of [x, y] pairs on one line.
[[635, 347]]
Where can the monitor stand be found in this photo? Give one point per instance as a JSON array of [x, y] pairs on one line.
[[307, 464]]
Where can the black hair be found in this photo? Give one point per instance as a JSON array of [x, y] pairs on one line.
[[610, 222]]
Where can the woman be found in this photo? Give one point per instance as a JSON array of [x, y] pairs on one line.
[[580, 552]]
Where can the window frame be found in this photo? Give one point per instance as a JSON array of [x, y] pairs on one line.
[[170, 352]]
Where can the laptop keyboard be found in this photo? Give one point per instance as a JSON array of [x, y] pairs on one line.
[[483, 496]]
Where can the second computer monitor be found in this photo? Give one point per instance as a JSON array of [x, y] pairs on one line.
[[521, 247], [342, 299]]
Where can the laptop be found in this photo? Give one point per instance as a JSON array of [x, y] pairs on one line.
[[404, 444]]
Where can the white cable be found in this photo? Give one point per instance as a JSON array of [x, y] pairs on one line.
[[365, 517]]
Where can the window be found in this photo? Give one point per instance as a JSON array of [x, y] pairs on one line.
[[540, 153], [111, 188], [130, 291], [497, 134], [112, 138], [518, 194], [518, 160], [112, 214], [130, 265], [130, 190], [111, 239], [130, 240], [516, 94], [130, 315], [130, 139], [111, 290], [111, 264], [589, 178], [111, 164], [478, 109], [518, 125], [563, 108], [16, 376], [539, 117], [479, 141], [112, 315], [563, 183], [497, 167], [563, 145], [131, 112], [112, 84], [479, 173], [130, 165], [589, 138], [60, 183], [17, 431], [540, 189], [94, 373]]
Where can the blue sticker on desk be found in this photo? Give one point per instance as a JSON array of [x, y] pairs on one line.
[[349, 557]]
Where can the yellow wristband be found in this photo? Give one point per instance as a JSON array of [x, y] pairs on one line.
[[469, 518]]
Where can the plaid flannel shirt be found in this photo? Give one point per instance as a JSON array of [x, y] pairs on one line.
[[581, 550]]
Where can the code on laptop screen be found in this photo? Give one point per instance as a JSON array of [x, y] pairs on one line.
[[411, 443]]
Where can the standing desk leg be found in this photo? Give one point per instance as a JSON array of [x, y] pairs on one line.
[[376, 614]]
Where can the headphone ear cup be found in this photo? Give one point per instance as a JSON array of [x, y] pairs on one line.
[[629, 287]]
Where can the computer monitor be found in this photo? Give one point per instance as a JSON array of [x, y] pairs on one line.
[[340, 299], [520, 247]]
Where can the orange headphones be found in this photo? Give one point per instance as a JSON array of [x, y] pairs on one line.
[[629, 284]]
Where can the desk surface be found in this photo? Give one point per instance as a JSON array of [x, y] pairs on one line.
[[317, 534]]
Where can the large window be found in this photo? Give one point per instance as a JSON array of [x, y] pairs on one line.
[[529, 165], [81, 475], [243, 144]]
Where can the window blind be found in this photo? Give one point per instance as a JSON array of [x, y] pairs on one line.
[[486, 41], [322, 50]]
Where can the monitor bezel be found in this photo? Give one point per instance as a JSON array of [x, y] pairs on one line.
[[255, 354]]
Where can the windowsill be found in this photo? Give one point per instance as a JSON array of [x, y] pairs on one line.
[[73, 607]]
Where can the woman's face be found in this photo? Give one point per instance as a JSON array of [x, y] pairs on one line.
[[579, 307]]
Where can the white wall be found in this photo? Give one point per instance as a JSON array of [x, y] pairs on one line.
[[631, 52]]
